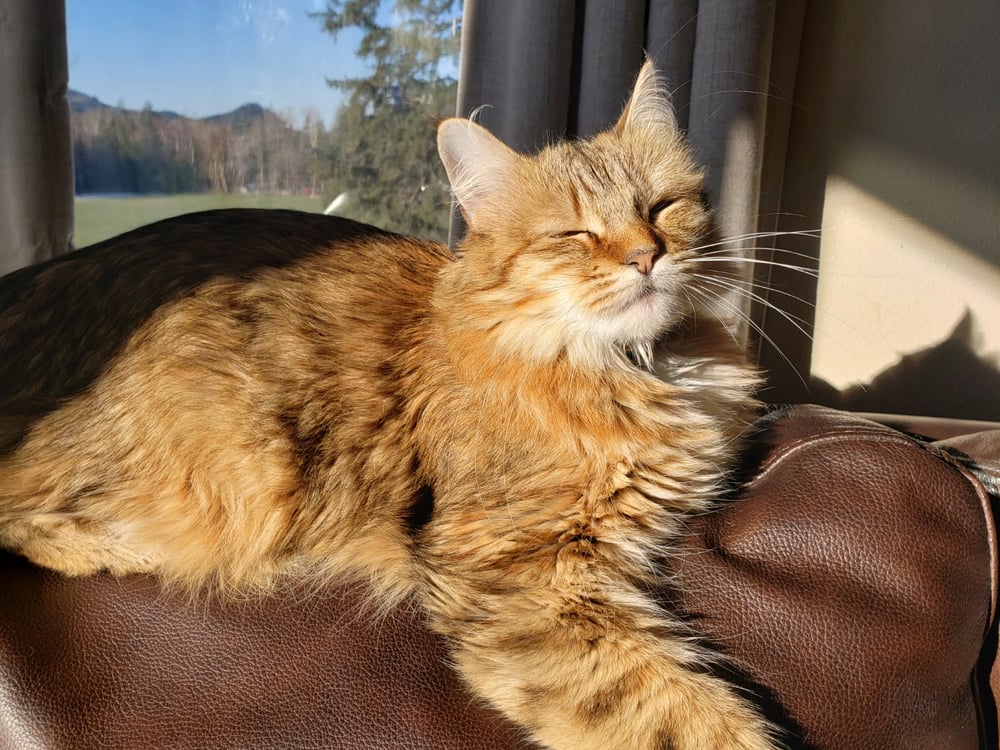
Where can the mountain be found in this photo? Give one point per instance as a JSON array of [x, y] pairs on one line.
[[241, 117], [82, 103]]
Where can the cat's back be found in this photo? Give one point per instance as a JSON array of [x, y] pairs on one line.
[[64, 321]]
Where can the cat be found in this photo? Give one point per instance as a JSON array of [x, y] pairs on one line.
[[513, 433]]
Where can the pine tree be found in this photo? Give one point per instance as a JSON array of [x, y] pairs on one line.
[[383, 154]]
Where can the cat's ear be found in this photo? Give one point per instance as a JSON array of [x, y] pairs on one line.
[[649, 104], [480, 168]]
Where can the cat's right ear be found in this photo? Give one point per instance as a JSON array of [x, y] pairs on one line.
[[480, 168], [649, 105]]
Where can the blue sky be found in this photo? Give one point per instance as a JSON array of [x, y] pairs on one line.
[[205, 57]]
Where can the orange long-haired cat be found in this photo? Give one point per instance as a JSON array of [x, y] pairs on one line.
[[513, 434]]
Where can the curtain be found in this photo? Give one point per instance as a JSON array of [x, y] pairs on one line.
[[565, 67], [36, 158]]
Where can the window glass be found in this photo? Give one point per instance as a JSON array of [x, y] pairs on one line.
[[314, 105]]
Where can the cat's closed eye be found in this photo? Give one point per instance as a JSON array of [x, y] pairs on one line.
[[579, 233], [659, 207]]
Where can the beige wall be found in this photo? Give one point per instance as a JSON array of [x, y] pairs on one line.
[[894, 150]]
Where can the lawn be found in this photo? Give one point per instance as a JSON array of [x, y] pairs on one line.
[[97, 218]]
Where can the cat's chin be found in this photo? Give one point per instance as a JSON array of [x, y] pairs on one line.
[[647, 318], [627, 346]]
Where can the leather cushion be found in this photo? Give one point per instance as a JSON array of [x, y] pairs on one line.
[[854, 578], [851, 581]]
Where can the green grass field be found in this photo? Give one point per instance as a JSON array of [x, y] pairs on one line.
[[98, 218]]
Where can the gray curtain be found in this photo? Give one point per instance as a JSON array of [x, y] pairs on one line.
[[565, 67], [36, 158]]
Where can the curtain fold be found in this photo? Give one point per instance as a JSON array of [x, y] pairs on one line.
[[671, 30], [730, 72], [607, 65], [787, 209], [565, 68], [36, 157], [517, 63]]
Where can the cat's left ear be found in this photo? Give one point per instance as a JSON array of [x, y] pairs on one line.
[[480, 168], [649, 104]]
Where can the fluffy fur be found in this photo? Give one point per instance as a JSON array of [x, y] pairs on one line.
[[513, 435]]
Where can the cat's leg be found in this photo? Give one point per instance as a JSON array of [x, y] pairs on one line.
[[74, 546], [592, 675], [57, 511], [552, 621], [589, 686]]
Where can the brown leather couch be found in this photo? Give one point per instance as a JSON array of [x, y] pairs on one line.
[[853, 581]]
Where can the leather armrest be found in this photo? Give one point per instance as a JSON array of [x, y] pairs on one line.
[[851, 581], [855, 578], [934, 428]]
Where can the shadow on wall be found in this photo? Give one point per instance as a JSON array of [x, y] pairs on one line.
[[949, 379]]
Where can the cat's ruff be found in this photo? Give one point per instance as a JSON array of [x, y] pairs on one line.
[[514, 435]]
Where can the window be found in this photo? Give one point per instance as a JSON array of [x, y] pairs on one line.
[[301, 104]]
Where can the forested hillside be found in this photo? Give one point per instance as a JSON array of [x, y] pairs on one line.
[[122, 151]]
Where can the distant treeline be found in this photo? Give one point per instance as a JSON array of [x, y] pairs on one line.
[[250, 149]]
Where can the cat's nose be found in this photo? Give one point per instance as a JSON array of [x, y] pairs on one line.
[[643, 259]]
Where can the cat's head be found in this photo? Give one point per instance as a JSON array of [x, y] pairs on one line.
[[579, 250]]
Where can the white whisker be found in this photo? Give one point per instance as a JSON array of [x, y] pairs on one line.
[[737, 238], [721, 299], [757, 261], [727, 252], [795, 320]]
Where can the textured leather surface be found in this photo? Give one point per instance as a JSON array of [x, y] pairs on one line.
[[980, 451], [852, 578], [106, 663]]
